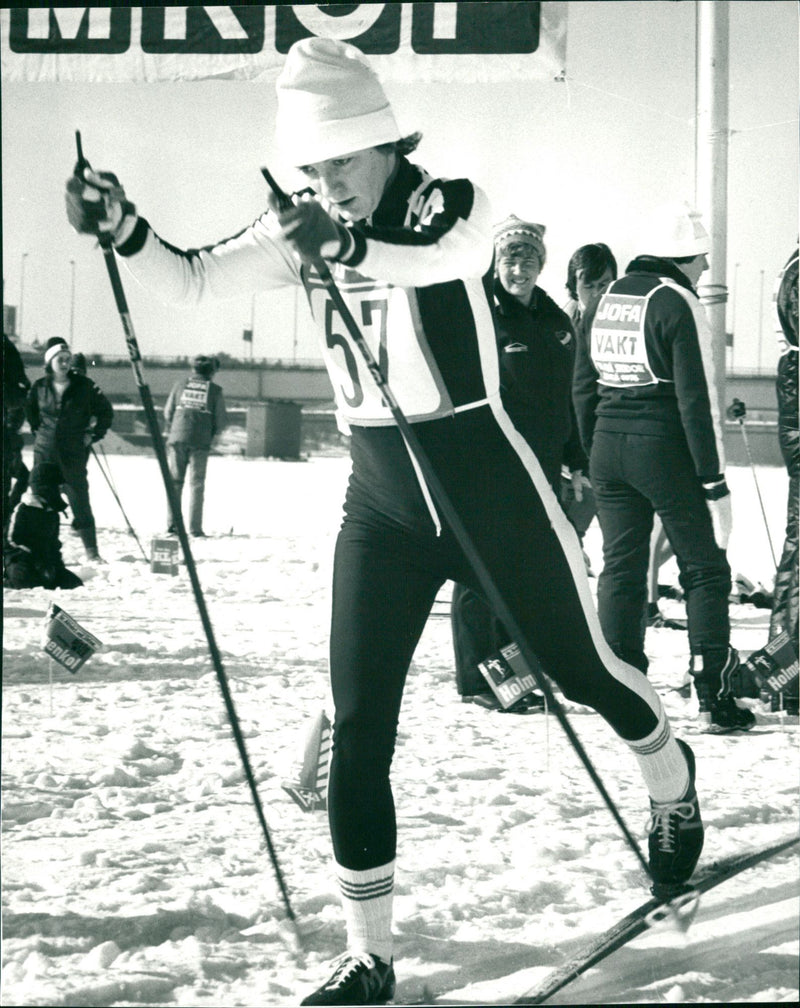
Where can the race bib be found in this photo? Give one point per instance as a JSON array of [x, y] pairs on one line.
[[195, 395], [619, 352], [387, 320]]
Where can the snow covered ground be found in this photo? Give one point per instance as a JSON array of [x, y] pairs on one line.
[[134, 869]]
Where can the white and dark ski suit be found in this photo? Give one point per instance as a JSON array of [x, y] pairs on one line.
[[428, 321]]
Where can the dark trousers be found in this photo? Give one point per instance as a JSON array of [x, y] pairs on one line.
[[75, 482], [386, 577], [785, 602], [477, 634], [633, 477]]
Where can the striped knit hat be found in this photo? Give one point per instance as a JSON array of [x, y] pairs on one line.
[[514, 232]]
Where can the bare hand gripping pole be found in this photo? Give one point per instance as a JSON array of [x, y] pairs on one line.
[[461, 534], [175, 508]]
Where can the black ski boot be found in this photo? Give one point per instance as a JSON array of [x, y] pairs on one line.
[[714, 674], [676, 836], [357, 979]]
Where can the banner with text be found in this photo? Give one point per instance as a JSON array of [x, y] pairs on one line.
[[470, 42]]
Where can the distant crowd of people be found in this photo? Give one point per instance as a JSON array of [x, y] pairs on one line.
[[68, 414]]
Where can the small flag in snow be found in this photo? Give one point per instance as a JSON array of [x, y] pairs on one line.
[[66, 641], [164, 555]]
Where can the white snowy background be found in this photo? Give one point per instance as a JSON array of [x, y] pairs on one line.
[[134, 871]]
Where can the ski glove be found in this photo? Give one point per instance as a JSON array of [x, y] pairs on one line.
[[721, 519], [311, 232], [96, 204], [736, 411]]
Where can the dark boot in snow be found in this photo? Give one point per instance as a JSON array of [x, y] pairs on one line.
[[714, 675]]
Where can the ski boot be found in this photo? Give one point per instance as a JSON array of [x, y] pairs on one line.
[[357, 979], [714, 674]]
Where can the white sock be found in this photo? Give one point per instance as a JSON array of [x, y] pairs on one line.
[[663, 765], [367, 905]]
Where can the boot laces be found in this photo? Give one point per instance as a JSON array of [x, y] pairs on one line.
[[665, 821], [347, 966]]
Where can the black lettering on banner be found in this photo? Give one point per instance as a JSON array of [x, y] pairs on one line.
[[220, 30], [463, 28], [374, 28], [91, 30]]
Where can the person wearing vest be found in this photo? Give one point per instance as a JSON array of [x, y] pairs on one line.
[[194, 415], [646, 402]]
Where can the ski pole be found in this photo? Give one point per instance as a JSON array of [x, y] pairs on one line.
[[737, 411], [106, 246], [462, 536], [112, 488]]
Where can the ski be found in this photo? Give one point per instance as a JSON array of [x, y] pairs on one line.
[[637, 921]]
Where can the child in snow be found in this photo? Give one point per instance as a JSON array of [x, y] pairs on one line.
[[33, 553]]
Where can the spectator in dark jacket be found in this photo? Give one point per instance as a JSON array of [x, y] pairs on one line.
[[32, 557], [68, 413], [590, 270], [536, 347], [646, 403], [194, 415], [15, 391]]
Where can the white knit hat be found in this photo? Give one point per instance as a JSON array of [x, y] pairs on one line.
[[675, 230], [330, 103], [54, 347]]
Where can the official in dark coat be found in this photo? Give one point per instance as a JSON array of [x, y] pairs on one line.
[[194, 415]]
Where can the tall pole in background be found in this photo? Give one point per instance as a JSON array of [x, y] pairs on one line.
[[760, 318], [72, 305], [21, 294], [711, 168], [734, 290]]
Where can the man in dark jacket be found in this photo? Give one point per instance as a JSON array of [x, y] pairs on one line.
[[647, 408], [194, 415], [32, 556], [68, 413], [536, 348]]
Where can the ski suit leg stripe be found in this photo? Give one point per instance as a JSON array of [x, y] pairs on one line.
[[630, 677]]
